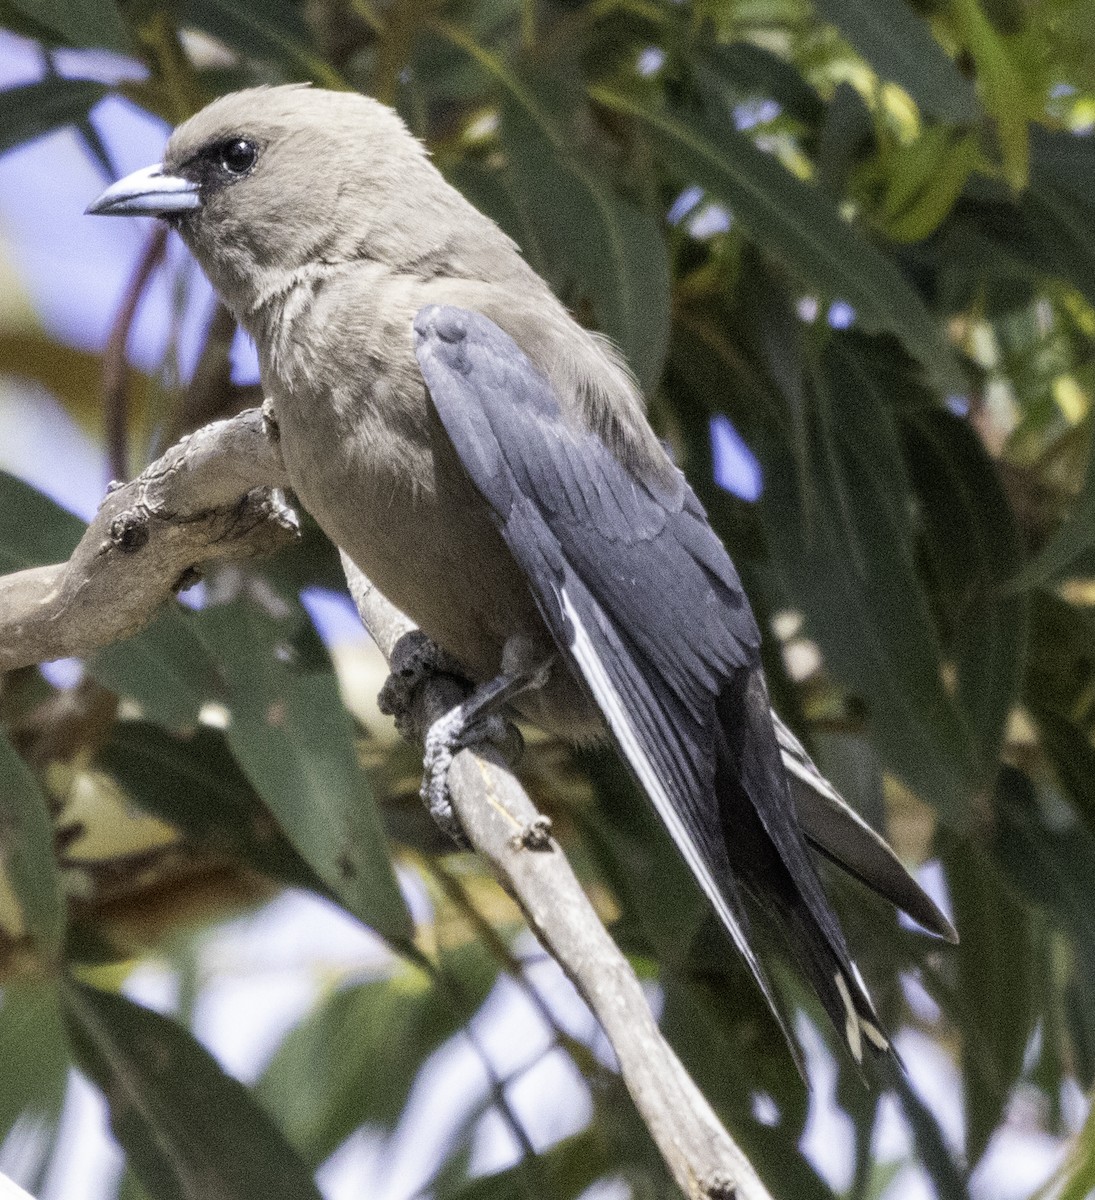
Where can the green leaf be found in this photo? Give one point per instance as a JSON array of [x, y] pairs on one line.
[[274, 30], [974, 544], [190, 1131], [26, 854], [353, 1061], [744, 69], [193, 782], [1062, 644], [996, 987], [1068, 159], [725, 1048], [293, 738], [899, 45], [34, 1051], [948, 1179], [844, 548], [609, 251], [1070, 751], [564, 1172], [1078, 1173], [924, 180], [34, 531], [1003, 88], [164, 668], [1060, 225], [797, 223], [78, 22], [1048, 855], [36, 109], [1073, 539], [847, 136]]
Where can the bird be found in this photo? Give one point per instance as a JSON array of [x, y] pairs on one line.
[[487, 462]]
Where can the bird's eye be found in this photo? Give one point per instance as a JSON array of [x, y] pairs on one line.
[[238, 156]]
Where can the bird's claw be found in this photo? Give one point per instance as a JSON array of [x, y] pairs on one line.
[[414, 660], [444, 738]]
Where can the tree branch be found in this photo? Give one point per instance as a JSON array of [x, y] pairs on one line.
[[208, 498], [502, 824], [213, 496]]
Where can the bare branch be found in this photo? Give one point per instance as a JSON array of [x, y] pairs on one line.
[[209, 497], [503, 825]]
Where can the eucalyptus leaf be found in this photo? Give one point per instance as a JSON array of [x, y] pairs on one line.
[[1002, 85], [899, 45], [1078, 1173], [996, 961], [290, 733], [608, 248], [1073, 539], [164, 668], [843, 546], [797, 223], [35, 109], [274, 30], [34, 530], [34, 1051], [974, 544], [353, 1061], [192, 781], [744, 68], [190, 1132], [949, 1181], [564, 1172], [27, 857], [78, 22]]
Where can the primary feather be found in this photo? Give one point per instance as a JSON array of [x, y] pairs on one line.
[[644, 601]]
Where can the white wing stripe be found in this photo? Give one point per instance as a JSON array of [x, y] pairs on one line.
[[616, 714]]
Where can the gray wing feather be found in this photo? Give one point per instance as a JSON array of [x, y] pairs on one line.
[[589, 545], [644, 601], [840, 833]]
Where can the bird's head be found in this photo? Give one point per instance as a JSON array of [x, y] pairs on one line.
[[263, 184]]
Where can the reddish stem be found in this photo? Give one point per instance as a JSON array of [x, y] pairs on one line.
[[115, 373]]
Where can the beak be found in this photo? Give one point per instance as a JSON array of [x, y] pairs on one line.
[[147, 193]]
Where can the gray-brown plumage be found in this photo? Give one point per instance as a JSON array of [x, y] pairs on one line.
[[522, 499]]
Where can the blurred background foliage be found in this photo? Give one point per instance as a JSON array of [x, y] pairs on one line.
[[849, 248]]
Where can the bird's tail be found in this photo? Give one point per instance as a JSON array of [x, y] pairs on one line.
[[768, 855]]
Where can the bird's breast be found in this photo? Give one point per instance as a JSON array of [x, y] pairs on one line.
[[369, 459]]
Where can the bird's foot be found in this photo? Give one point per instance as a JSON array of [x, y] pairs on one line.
[[461, 727], [415, 659], [475, 721]]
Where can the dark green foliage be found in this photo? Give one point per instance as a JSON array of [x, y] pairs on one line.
[[191, 1132]]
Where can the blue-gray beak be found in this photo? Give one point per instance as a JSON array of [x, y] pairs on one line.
[[147, 193]]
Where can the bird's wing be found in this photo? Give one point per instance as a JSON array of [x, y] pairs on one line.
[[834, 828], [610, 561], [644, 601]]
